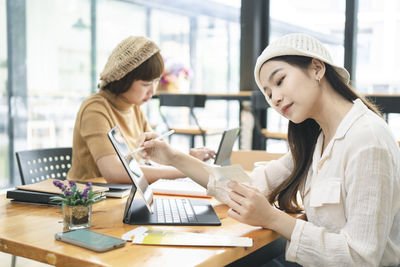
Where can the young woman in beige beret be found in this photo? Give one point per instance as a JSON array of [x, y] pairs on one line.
[[343, 163], [129, 79]]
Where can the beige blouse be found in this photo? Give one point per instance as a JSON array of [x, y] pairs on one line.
[[351, 196], [97, 115]]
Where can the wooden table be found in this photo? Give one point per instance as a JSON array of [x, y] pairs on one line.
[[28, 231]]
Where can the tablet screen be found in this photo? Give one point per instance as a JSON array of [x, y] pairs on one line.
[[131, 166]]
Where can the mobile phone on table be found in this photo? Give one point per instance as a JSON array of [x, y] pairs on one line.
[[90, 240]]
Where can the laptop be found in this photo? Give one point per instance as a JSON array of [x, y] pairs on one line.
[[223, 156], [157, 211]]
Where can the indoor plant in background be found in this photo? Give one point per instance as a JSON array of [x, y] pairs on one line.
[[76, 205]]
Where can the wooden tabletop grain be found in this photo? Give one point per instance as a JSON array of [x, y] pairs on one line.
[[28, 230]]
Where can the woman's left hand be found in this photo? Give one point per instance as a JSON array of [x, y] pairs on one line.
[[202, 153], [250, 206]]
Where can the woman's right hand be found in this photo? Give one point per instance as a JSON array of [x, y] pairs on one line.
[[156, 150]]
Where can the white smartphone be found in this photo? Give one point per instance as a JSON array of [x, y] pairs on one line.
[[90, 240]]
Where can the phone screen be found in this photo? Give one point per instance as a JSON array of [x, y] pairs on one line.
[[90, 239]]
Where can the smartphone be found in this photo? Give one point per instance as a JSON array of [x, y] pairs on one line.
[[90, 240]]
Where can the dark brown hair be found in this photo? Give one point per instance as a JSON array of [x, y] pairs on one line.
[[149, 70], [303, 136]]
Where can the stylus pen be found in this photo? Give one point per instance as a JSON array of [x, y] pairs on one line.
[[164, 135]]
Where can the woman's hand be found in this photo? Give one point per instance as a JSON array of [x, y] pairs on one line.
[[156, 150], [250, 206], [202, 153]]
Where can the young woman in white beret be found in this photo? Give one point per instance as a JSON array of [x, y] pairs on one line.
[[343, 162], [129, 79]]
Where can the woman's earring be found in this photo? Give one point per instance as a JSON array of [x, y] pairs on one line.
[[319, 80]]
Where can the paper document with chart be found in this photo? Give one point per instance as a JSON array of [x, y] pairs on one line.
[[147, 236]]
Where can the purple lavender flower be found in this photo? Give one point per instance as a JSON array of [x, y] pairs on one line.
[[72, 195], [60, 185], [57, 183], [85, 193], [71, 183]]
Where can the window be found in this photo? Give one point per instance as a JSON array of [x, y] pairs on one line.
[[323, 20], [4, 141], [378, 56], [58, 69]]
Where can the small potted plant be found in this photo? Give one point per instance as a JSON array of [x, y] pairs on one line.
[[76, 205]]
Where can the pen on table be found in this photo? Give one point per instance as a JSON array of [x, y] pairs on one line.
[[158, 139]]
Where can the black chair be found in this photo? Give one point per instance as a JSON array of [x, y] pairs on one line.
[[261, 133], [190, 101], [41, 164]]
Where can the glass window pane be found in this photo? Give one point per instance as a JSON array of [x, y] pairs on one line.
[[378, 56], [4, 141], [212, 55], [58, 68], [323, 20], [116, 20], [171, 33]]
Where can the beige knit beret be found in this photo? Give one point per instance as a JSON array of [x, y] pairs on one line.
[[298, 45], [128, 55]]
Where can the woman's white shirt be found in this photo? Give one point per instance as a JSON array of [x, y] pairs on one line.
[[351, 196]]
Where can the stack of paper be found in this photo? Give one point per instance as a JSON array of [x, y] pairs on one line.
[[116, 190], [179, 187]]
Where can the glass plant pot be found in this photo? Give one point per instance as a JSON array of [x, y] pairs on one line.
[[76, 217]]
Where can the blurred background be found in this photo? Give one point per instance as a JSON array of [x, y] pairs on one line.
[[52, 51]]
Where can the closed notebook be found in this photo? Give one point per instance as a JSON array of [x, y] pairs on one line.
[[31, 197], [35, 197]]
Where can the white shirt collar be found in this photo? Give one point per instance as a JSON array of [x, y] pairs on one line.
[[356, 111]]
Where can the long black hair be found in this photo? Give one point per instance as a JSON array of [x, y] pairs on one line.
[[303, 136]]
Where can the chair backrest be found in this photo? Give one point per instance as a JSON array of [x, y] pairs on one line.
[[41, 164], [190, 101], [183, 100], [246, 158]]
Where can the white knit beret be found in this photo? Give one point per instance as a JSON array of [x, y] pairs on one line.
[[128, 55], [297, 44]]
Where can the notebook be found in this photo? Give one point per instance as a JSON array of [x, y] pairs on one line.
[[115, 190], [157, 211], [186, 186], [41, 192]]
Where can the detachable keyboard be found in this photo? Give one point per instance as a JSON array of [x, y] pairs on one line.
[[174, 210]]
